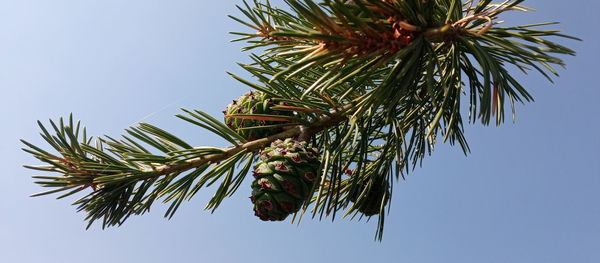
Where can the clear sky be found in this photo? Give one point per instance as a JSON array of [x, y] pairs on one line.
[[529, 192]]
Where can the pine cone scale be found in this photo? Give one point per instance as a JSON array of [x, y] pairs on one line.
[[253, 102], [281, 184]]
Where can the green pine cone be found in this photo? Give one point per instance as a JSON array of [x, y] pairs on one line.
[[284, 179], [376, 192], [253, 102]]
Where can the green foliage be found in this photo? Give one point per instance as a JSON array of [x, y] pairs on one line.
[[372, 84]]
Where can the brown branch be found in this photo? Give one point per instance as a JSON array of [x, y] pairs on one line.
[[303, 132]]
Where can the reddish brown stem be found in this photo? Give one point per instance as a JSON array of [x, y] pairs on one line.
[[301, 131]]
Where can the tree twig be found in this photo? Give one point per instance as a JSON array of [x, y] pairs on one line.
[[304, 132]]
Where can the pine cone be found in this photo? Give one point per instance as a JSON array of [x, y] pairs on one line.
[[284, 179], [377, 192], [253, 102]]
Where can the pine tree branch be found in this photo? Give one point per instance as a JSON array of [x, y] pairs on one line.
[[400, 68], [358, 38], [303, 131], [126, 178]]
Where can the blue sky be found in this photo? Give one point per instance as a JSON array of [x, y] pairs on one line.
[[529, 191]]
